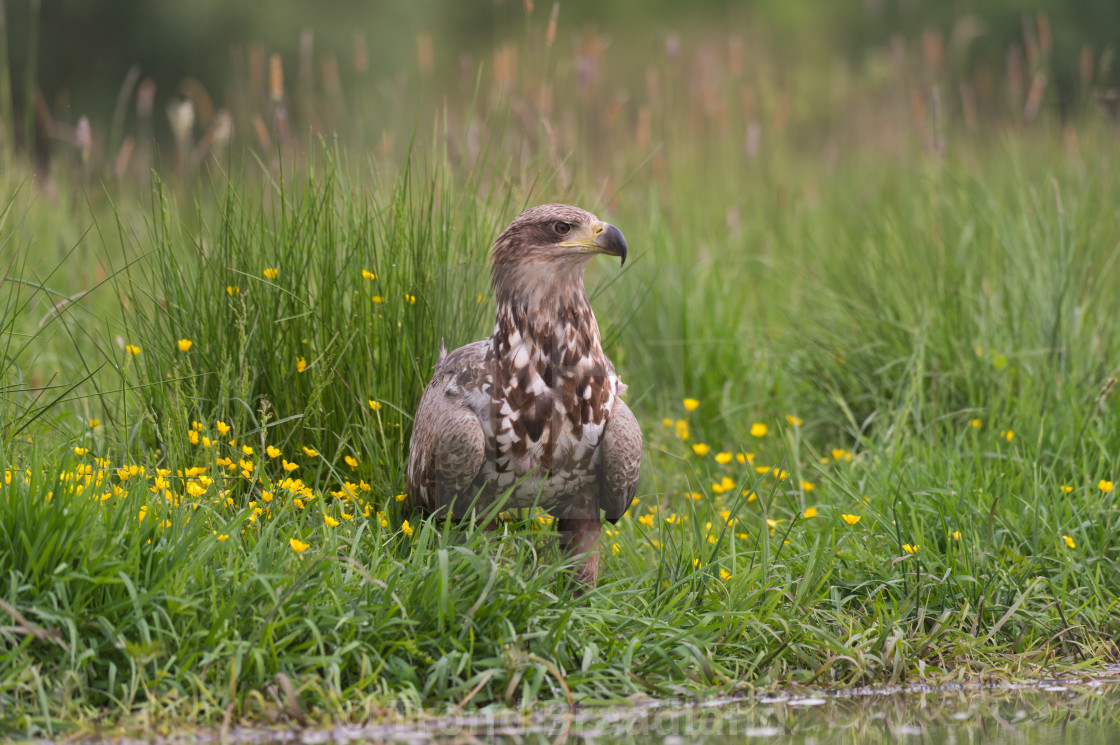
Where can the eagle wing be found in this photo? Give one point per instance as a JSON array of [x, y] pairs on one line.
[[622, 457], [448, 445]]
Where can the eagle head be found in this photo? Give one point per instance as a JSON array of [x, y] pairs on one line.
[[549, 246]]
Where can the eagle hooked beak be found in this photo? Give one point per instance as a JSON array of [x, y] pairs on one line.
[[601, 238]]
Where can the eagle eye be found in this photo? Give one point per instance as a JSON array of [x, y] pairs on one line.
[[562, 228]]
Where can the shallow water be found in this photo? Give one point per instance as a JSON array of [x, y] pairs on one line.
[[1082, 710]]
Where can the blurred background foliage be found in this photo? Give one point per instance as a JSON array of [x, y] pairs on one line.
[[987, 57]]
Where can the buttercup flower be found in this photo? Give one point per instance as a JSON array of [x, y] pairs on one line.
[[185, 345], [794, 420], [298, 546], [691, 404], [132, 349], [700, 449], [851, 519], [271, 273], [810, 512], [758, 429], [1069, 541]]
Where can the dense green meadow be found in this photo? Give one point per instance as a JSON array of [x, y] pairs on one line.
[[874, 358]]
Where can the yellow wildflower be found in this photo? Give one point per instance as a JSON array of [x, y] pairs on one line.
[[724, 574], [374, 405], [94, 423], [1104, 486], [758, 429], [701, 449], [223, 536], [910, 549], [310, 452], [366, 274], [851, 519], [378, 299], [975, 423], [1065, 488], [301, 364], [272, 452], [80, 451], [810, 512], [247, 449], [185, 345], [192, 436], [723, 458], [232, 290], [330, 521], [808, 485], [223, 428], [956, 535], [744, 458], [646, 520], [288, 466], [406, 528], [351, 461], [132, 349], [401, 497], [691, 404], [666, 422], [794, 420], [298, 546], [841, 454], [682, 429], [1007, 434], [726, 484], [1069, 541], [271, 273]]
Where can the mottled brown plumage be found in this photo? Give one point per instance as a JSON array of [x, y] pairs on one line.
[[535, 410]]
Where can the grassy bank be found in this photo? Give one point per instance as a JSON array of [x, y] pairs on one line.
[[895, 460], [875, 376]]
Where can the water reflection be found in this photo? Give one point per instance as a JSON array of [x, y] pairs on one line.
[[1045, 713]]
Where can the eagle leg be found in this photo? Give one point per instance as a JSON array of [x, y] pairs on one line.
[[580, 537]]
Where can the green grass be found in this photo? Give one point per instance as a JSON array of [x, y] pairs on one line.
[[883, 304]]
